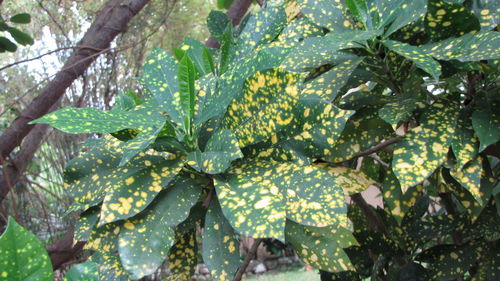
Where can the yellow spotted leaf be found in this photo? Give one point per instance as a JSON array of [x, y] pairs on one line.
[[146, 238], [221, 249], [321, 248], [182, 257], [266, 107], [131, 188], [423, 149], [257, 197]]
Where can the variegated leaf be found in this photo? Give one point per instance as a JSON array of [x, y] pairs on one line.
[[321, 247], [182, 257], [266, 107], [146, 238], [131, 188], [221, 149], [257, 196], [220, 246], [424, 148]]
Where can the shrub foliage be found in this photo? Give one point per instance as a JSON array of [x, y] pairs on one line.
[[306, 102]]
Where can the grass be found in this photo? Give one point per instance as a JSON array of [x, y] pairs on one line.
[[292, 275]]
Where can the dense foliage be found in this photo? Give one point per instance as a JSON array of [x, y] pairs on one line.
[[266, 136]]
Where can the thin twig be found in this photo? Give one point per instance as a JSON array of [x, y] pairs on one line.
[[250, 255], [9, 186], [375, 148]]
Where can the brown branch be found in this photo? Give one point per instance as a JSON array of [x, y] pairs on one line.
[[375, 148], [63, 250], [250, 255], [375, 222]]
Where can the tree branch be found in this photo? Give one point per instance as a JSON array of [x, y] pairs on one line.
[[375, 148], [250, 255]]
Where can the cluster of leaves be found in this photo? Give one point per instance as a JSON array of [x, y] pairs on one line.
[[266, 136], [20, 37]]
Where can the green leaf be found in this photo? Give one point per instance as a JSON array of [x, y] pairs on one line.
[[415, 54], [126, 101], [444, 20], [400, 108], [88, 175], [160, 77], [261, 28], [199, 55], [296, 31], [110, 267], [424, 148], [182, 257], [317, 128], [448, 262], [87, 271], [397, 202], [146, 238], [487, 13], [468, 47], [328, 84], [20, 37], [7, 45], [406, 12], [360, 10], [186, 91], [429, 227], [231, 82], [131, 188], [217, 22], [221, 251], [486, 119], [314, 52], [221, 149], [351, 181], [257, 196], [91, 120], [465, 143], [224, 4], [363, 130], [104, 241], [21, 18], [470, 177], [138, 144], [327, 13], [321, 247], [266, 107], [488, 266], [86, 223], [22, 255]]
